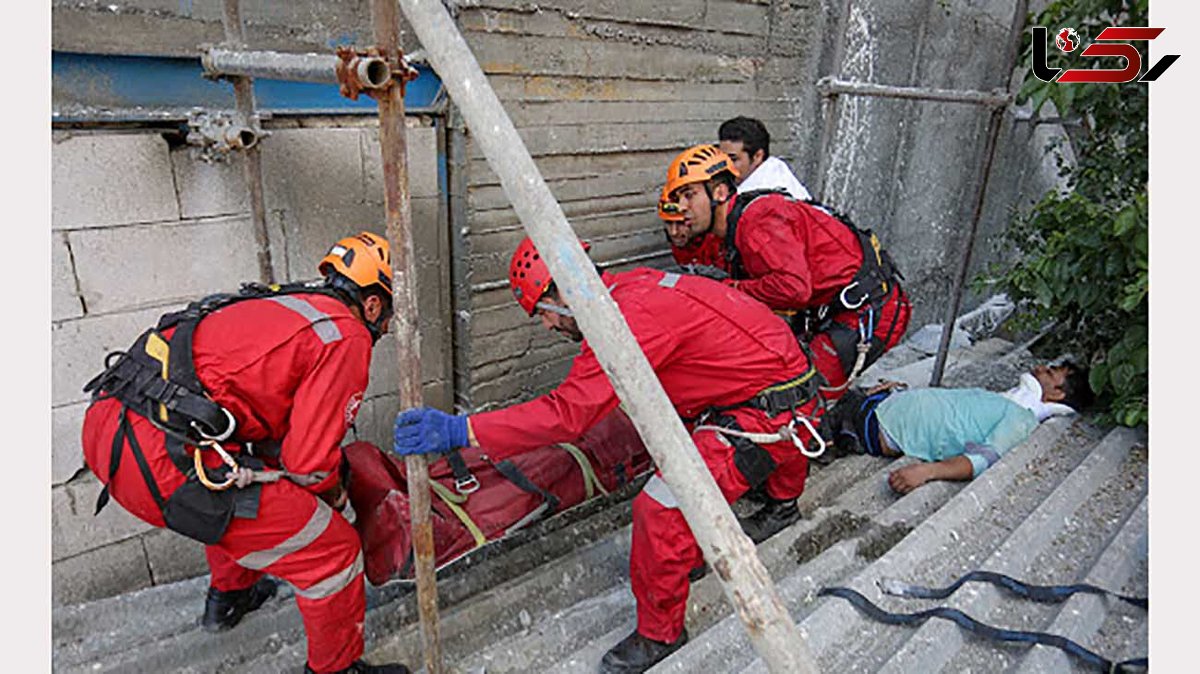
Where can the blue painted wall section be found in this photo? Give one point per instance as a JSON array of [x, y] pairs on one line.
[[93, 87]]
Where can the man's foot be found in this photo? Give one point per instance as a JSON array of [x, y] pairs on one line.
[[636, 654], [770, 519], [360, 667], [224, 609]]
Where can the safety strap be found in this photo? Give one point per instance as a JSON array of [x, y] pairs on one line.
[[741, 202], [974, 626], [464, 481], [591, 483], [453, 502], [1043, 593], [514, 475], [125, 431]]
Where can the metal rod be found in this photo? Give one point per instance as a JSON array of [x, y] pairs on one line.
[[372, 72], [829, 110], [960, 277], [829, 86], [728, 551], [385, 19], [243, 92]]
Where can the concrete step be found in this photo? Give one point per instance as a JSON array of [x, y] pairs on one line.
[[959, 535], [887, 527], [1121, 568], [936, 642], [157, 629]]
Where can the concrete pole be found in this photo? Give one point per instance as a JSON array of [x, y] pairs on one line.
[[243, 92], [728, 551], [385, 19]]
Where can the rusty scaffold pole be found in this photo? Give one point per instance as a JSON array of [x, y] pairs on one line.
[[385, 19], [727, 549], [243, 91]]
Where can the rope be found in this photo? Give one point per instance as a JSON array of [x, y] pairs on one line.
[[452, 501], [785, 433], [972, 625], [591, 483], [1042, 593]]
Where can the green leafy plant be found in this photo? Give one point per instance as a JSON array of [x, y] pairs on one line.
[[1083, 252]]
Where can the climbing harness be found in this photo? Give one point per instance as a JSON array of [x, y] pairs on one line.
[[876, 280], [982, 629], [156, 378]]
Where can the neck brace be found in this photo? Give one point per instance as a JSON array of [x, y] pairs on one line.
[[1028, 394]]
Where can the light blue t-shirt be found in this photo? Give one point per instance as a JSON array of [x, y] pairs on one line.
[[935, 424]]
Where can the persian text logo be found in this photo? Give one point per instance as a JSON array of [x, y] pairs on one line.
[[1112, 41]]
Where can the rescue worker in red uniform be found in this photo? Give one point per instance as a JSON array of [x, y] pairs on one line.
[[838, 287], [729, 366], [687, 247], [270, 379]]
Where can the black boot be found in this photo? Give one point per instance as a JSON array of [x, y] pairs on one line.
[[223, 610], [770, 519], [698, 572], [636, 654], [360, 667]]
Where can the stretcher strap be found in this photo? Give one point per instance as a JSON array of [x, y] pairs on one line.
[[1043, 593], [590, 482], [452, 502], [974, 626]]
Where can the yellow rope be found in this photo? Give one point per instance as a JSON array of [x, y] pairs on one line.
[[452, 501], [591, 483]]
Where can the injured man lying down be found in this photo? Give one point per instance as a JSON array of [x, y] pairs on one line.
[[957, 433]]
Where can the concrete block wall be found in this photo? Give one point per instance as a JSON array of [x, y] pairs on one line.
[[139, 227]]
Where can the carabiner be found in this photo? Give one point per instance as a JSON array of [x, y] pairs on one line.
[[812, 431], [198, 461], [230, 427], [845, 303]]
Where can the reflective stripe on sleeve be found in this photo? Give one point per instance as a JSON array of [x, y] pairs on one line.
[[669, 280], [657, 489], [315, 526], [334, 583], [321, 322]]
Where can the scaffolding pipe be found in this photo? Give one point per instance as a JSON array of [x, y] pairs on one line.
[[372, 72], [960, 276], [385, 20], [728, 551], [829, 86], [243, 92]]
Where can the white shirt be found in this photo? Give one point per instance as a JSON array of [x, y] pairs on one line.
[[774, 174]]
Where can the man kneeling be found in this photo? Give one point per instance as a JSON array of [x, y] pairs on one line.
[[957, 433]]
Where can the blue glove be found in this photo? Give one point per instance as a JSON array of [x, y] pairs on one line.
[[421, 430]]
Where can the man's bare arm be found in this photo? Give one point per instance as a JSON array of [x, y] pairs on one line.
[[908, 478]]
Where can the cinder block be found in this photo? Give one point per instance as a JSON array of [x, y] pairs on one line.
[[111, 179], [73, 527], [421, 146], [311, 230], [173, 557], [104, 572], [78, 348], [64, 297], [208, 189], [305, 168], [66, 453], [132, 266]]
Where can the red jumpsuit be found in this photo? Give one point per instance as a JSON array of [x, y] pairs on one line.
[[797, 257], [291, 369], [705, 249], [709, 346]]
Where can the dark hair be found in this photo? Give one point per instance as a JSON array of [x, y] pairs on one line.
[[749, 132], [1077, 392]]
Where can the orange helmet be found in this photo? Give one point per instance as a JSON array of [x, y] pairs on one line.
[[668, 210], [365, 259], [698, 164]]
